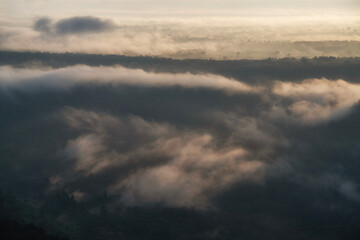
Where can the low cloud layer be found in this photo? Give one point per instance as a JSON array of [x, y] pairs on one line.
[[311, 101], [245, 151], [155, 161], [317, 100], [74, 25], [159, 162], [64, 78], [164, 164]]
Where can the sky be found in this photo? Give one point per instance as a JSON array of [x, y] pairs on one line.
[[183, 29], [106, 5]]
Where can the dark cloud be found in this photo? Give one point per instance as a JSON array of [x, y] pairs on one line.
[[78, 25], [74, 25], [43, 25]]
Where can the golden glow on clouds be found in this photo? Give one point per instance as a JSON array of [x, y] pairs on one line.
[[232, 30], [72, 76], [317, 100], [311, 101]]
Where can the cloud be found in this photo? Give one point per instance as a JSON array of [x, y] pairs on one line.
[[256, 134], [110, 141], [345, 187], [349, 189], [74, 25], [155, 158], [311, 101], [176, 186], [318, 100], [136, 138], [165, 165], [186, 36], [78, 25], [43, 25], [35, 79]]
